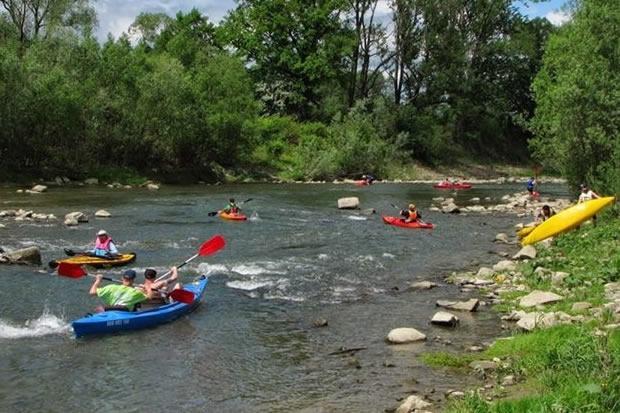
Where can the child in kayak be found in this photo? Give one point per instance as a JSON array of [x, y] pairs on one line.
[[411, 214], [104, 246], [156, 291], [232, 207], [123, 297]]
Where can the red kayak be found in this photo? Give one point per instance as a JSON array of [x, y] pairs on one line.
[[361, 183], [451, 185], [232, 216], [399, 222]]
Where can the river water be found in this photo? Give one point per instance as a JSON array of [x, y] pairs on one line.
[[251, 346]]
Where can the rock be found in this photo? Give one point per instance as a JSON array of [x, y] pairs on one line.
[[30, 255], [475, 349], [368, 211], [539, 297], [483, 365], [71, 222], [581, 306], [514, 315], [423, 285], [502, 237], [530, 321], [91, 181], [526, 252], [444, 318], [349, 203], [2, 226], [475, 199], [77, 215], [434, 209], [405, 335], [152, 187], [455, 394], [508, 380], [439, 199], [450, 208], [320, 322], [102, 213], [485, 272], [411, 404], [505, 265], [469, 305], [38, 189], [557, 278]]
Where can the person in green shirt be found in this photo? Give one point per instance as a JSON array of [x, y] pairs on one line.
[[232, 207], [122, 297]]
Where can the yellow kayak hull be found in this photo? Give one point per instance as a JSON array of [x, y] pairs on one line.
[[123, 259], [566, 220], [525, 231]]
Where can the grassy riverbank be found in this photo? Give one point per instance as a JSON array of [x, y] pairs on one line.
[[564, 368]]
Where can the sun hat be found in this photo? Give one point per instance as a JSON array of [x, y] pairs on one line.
[[102, 232]]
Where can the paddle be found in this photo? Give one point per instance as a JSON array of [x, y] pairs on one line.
[[75, 271], [214, 213], [209, 247]]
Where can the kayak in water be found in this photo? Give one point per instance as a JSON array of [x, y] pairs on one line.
[[361, 183], [452, 185], [232, 216], [98, 262], [114, 321], [399, 222]]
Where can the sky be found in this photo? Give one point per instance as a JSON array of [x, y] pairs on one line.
[[115, 16]]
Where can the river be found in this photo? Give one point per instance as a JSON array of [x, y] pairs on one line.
[[251, 346]]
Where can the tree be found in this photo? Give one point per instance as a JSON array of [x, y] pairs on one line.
[[577, 92]]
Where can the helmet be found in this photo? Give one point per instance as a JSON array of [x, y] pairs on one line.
[[102, 232]]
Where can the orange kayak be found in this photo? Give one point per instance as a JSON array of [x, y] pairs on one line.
[[232, 216]]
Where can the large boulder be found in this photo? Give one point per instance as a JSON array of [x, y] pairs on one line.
[[77, 215], [539, 297], [469, 305], [30, 255], [349, 203], [405, 335], [530, 321]]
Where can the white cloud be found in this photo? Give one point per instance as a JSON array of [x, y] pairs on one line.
[[558, 17]]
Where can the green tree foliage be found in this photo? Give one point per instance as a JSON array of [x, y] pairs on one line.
[[577, 121]]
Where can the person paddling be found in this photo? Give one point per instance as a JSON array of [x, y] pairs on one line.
[[156, 291], [104, 246], [122, 297], [411, 214], [232, 207]]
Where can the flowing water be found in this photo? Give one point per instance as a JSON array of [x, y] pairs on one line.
[[251, 346]]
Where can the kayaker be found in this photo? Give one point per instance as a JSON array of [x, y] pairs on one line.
[[411, 214], [586, 194], [154, 290], [545, 213], [531, 185], [123, 297], [369, 179], [104, 246], [232, 207]]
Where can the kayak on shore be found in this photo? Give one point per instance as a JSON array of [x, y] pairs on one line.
[[567, 219], [116, 321], [232, 216], [452, 185], [98, 262], [399, 222]]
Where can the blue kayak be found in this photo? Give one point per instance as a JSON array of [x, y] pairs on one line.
[[114, 321]]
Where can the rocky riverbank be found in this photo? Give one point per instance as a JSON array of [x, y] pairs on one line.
[[565, 296]]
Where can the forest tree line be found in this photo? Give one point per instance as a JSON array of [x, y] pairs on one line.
[[308, 89]]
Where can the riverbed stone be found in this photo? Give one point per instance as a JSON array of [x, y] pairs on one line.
[[38, 188], [485, 272], [483, 365], [91, 181], [527, 252], [352, 202], [502, 238], [102, 213], [531, 321], [30, 255], [77, 215], [445, 318], [404, 335], [581, 306], [469, 305], [508, 380], [423, 285], [412, 404], [450, 208], [152, 187], [505, 265], [539, 297]]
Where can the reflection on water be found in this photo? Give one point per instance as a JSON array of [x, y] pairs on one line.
[[252, 345]]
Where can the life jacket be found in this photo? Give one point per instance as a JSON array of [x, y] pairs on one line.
[[234, 209]]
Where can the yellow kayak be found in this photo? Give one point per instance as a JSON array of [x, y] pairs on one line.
[[122, 259], [523, 232], [566, 220]]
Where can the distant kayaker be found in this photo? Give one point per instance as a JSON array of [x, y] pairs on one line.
[[369, 179], [587, 194], [531, 185], [545, 213], [155, 291], [411, 214], [118, 297], [232, 207], [104, 246]]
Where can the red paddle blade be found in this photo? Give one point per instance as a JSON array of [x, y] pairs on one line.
[[70, 270], [212, 246], [182, 296]]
